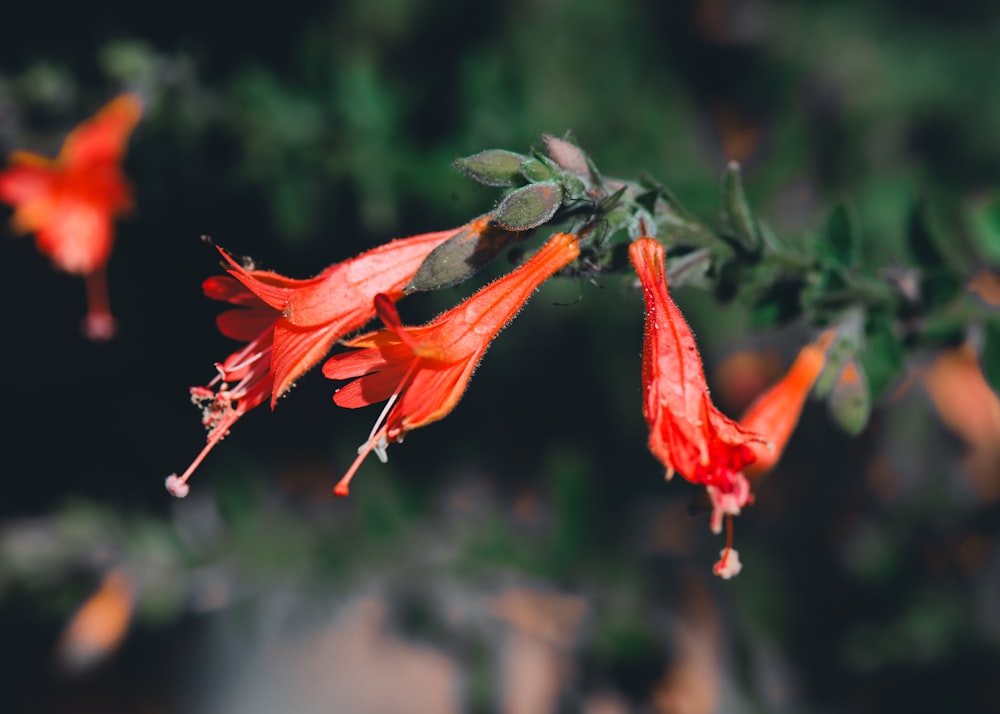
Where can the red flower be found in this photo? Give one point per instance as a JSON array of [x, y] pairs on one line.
[[69, 203], [687, 433], [775, 413], [290, 325], [422, 372]]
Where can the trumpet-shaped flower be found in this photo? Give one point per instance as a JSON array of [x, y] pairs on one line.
[[422, 372], [290, 325], [775, 413], [69, 203], [687, 433]]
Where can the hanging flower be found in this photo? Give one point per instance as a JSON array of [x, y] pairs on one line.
[[290, 325], [69, 203], [422, 372], [775, 413], [687, 433]]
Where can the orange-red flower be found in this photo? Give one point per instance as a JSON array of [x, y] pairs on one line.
[[775, 412], [422, 372], [687, 433], [70, 203], [290, 325]]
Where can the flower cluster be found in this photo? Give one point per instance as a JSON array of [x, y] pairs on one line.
[[421, 372], [287, 326], [290, 325]]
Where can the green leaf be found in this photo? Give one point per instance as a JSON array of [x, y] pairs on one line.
[[850, 401], [922, 242], [648, 200], [574, 189], [529, 207], [736, 210], [648, 183], [883, 356], [941, 329], [826, 295], [939, 287], [537, 171], [773, 295], [989, 355], [494, 167], [941, 278], [982, 217], [611, 202], [461, 256], [844, 349], [679, 228], [688, 268], [842, 237]]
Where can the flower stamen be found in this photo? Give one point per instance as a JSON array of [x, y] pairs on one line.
[[729, 564], [378, 439]]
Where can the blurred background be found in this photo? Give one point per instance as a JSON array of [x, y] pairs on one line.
[[525, 555]]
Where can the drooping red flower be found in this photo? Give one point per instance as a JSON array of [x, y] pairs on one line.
[[687, 433], [289, 326], [70, 203], [422, 372]]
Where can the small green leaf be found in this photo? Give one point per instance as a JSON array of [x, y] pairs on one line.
[[842, 237], [458, 258], [529, 207], [647, 182], [537, 171], [688, 268], [736, 212], [989, 355], [921, 240], [648, 199], [836, 357], [574, 189], [850, 401], [774, 242], [941, 329], [611, 202], [982, 216], [883, 356], [845, 347], [494, 167], [825, 293], [678, 229], [935, 241], [941, 279], [773, 295], [939, 287]]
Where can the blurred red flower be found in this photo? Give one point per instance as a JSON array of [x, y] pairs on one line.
[[69, 203]]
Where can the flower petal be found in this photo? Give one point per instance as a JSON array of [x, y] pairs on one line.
[[297, 350], [103, 138]]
